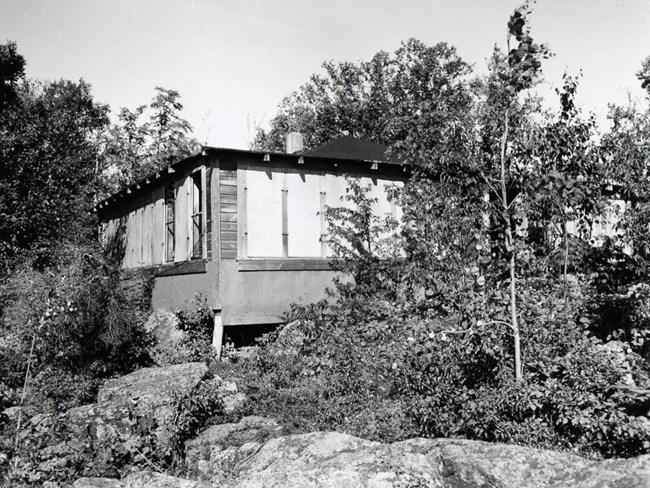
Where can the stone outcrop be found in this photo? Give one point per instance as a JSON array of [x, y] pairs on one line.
[[98, 483], [149, 394], [216, 452], [257, 453], [251, 454], [231, 398], [141, 479], [231, 456], [147, 479], [324, 459], [153, 386]]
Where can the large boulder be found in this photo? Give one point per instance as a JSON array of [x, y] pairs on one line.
[[145, 399], [98, 483], [231, 398], [149, 479], [328, 459], [153, 386], [140, 479], [215, 453]]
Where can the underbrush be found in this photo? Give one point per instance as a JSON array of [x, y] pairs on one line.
[[65, 327], [396, 375]]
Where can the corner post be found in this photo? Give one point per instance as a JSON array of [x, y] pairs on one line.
[[217, 334]]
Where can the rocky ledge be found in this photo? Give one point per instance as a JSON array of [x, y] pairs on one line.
[[254, 454]]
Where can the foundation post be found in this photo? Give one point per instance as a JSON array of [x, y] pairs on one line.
[[217, 334]]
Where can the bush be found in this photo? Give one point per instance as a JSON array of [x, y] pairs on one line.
[[390, 379], [74, 314], [429, 337]]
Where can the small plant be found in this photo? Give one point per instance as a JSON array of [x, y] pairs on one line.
[[196, 319]]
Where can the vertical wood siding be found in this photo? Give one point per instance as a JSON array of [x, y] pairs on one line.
[[208, 212], [158, 226]]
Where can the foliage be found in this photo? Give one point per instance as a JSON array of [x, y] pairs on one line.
[[380, 100], [50, 450], [378, 364], [76, 316], [196, 319], [133, 148], [48, 155], [12, 69], [194, 410], [365, 244], [484, 252]]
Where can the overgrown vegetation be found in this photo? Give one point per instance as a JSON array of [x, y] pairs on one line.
[[497, 308], [501, 310], [66, 322]]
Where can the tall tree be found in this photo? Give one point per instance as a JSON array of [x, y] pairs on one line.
[[12, 70], [506, 164], [145, 140], [124, 150], [568, 193], [169, 132], [374, 100], [48, 158]]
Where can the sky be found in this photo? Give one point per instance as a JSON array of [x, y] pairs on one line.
[[234, 60]]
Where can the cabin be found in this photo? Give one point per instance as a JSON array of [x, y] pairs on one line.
[[244, 228]]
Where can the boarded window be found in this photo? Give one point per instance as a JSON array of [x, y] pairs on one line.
[[197, 216], [170, 240], [303, 208], [264, 214]]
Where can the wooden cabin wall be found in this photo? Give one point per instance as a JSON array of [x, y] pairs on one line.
[[272, 253]]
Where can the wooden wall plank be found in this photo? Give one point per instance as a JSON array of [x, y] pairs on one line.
[[215, 281], [227, 207], [208, 212], [228, 226], [158, 226], [228, 190], [228, 217], [285, 216], [147, 227], [181, 227]]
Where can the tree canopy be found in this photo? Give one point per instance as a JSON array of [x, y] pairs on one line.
[[382, 100]]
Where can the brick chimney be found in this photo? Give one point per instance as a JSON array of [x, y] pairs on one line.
[[294, 142]]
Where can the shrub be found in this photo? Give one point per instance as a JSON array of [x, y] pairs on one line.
[[75, 315], [443, 356], [196, 319]]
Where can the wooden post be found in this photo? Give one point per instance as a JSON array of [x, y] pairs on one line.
[[217, 334]]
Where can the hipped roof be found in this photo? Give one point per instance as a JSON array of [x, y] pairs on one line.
[[348, 147]]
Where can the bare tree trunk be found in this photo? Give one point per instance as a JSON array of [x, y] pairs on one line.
[[510, 248], [566, 262]]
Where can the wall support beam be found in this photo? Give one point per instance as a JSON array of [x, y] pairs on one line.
[[217, 334]]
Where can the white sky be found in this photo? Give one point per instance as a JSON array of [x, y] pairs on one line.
[[233, 61]]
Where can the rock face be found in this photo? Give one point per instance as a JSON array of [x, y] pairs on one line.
[[147, 479], [215, 453], [229, 393], [328, 459], [141, 479], [231, 456], [153, 386], [98, 483], [145, 396], [163, 326]]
